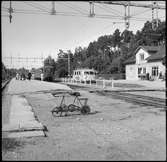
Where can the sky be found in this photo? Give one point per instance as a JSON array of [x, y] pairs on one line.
[[38, 33]]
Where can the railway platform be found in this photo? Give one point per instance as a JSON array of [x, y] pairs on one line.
[[18, 117]]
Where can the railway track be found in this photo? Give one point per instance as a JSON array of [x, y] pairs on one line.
[[3, 84], [138, 99], [133, 98]]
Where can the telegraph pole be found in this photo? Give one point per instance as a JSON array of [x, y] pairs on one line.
[[11, 60], [91, 12], [127, 15], [154, 20], [53, 12], [10, 12], [69, 74]]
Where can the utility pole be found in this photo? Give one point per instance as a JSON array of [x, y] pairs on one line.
[[91, 12], [154, 6], [11, 60], [53, 12], [127, 15], [10, 12], [69, 73], [154, 20]]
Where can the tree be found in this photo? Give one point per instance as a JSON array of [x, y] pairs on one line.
[[108, 53], [127, 36], [62, 64], [49, 68], [152, 36], [117, 38]]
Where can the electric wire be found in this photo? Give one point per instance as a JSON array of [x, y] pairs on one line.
[[74, 14], [42, 11], [69, 6], [32, 5], [43, 6], [106, 9], [80, 7], [114, 10], [141, 12]]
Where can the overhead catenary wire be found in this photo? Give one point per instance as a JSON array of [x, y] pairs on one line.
[[140, 13], [98, 5], [37, 7], [58, 13], [43, 10], [69, 6], [75, 14], [111, 9], [79, 7], [47, 9]]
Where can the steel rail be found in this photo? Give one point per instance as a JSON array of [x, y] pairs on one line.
[[140, 99], [145, 100], [3, 84], [143, 96]]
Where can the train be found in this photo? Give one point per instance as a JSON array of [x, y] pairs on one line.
[[84, 75], [47, 71], [36, 73]]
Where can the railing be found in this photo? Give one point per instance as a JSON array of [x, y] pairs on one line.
[[97, 82]]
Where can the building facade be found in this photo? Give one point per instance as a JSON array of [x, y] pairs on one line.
[[146, 63]]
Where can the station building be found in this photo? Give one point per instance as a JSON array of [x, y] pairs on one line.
[[146, 63]]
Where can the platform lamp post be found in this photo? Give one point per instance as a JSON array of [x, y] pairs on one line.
[[69, 73]]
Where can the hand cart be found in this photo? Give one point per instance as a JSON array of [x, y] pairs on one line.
[[81, 106]]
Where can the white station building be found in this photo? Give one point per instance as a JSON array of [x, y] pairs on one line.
[[146, 63]]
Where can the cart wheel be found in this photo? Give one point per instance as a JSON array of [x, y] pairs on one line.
[[85, 109], [71, 107], [56, 111]]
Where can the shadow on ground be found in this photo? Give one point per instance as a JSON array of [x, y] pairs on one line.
[[76, 114], [9, 144]]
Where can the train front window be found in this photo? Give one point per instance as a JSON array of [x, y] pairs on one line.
[[86, 72]]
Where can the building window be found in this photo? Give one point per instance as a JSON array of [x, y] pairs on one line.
[[142, 57], [139, 70], [155, 71], [144, 70]]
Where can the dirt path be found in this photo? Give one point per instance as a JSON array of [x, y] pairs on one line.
[[117, 131]]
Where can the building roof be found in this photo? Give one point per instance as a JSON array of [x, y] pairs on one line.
[[131, 60], [158, 56], [156, 52], [150, 48]]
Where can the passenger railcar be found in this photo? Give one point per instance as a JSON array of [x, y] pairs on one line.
[[84, 75]]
